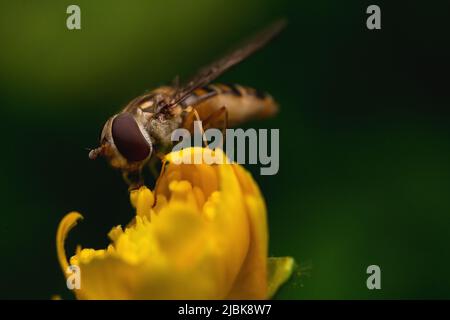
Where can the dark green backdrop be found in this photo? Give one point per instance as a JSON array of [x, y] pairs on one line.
[[365, 141]]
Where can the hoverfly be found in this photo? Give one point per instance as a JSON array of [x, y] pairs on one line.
[[131, 138]]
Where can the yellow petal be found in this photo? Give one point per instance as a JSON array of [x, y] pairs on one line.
[[251, 282], [108, 278], [230, 224], [66, 224], [279, 271]]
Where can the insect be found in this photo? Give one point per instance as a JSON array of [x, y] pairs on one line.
[[142, 130]]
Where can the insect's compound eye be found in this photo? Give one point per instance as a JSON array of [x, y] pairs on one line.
[[128, 138]]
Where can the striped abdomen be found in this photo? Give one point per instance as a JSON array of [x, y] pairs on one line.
[[242, 103]]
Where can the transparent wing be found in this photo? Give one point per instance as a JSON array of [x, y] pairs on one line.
[[212, 71]]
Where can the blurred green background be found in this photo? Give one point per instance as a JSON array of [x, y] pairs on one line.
[[365, 138]]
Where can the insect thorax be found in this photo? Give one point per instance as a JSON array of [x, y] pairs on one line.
[[160, 128]]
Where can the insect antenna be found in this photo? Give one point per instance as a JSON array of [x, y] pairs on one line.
[[94, 153]]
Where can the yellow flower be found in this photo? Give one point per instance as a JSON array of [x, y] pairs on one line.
[[202, 234]]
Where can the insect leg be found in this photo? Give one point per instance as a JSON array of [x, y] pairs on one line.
[[134, 179], [218, 119], [197, 118]]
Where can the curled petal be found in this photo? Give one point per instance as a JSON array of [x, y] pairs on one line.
[[66, 224]]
